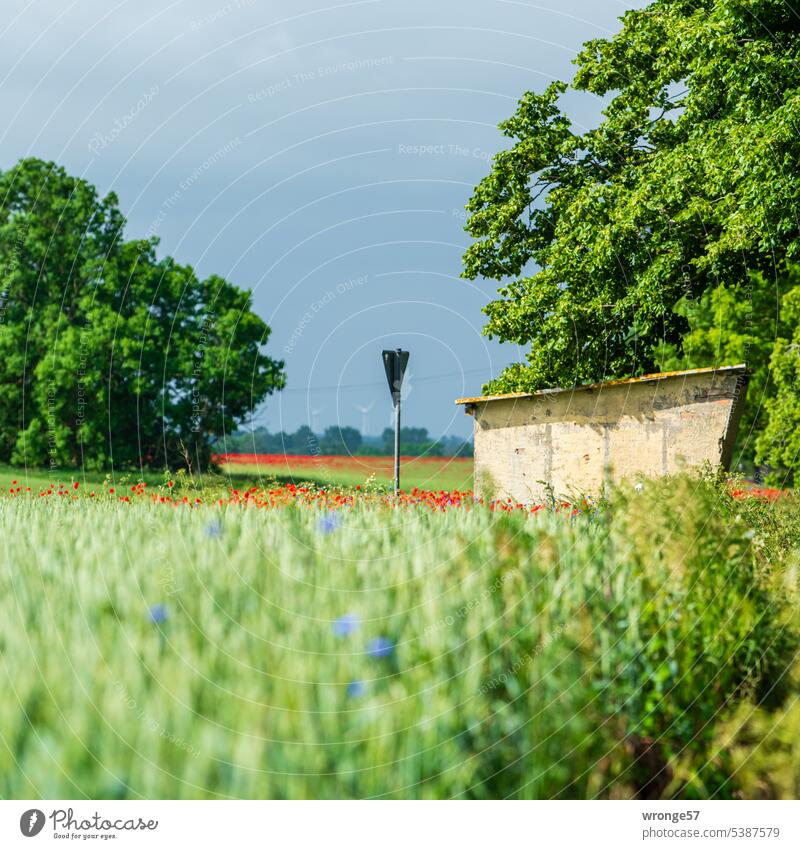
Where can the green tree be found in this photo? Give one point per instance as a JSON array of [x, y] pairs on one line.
[[414, 441], [736, 323], [690, 181], [109, 355], [340, 440], [302, 441], [779, 442]]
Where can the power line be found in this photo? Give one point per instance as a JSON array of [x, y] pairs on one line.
[[378, 383]]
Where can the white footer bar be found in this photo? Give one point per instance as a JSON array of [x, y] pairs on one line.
[[400, 825]]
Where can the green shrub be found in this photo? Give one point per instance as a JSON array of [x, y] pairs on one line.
[[705, 616], [759, 750]]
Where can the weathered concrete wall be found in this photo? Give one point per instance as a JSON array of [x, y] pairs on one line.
[[575, 440]]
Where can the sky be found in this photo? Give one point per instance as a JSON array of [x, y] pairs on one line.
[[317, 153]]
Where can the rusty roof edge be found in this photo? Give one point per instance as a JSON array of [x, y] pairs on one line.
[[741, 367]]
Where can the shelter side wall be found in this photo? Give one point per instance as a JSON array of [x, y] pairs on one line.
[[573, 442]]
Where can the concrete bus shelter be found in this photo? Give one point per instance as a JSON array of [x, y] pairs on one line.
[[573, 441]]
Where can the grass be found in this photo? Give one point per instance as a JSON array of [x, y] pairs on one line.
[[38, 479], [226, 651]]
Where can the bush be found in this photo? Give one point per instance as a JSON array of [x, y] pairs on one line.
[[704, 617]]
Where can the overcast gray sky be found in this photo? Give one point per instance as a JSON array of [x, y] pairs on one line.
[[278, 144]]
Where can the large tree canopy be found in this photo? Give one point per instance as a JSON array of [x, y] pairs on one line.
[[690, 182], [109, 355], [740, 322]]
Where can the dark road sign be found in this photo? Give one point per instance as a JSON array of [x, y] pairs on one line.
[[395, 362]]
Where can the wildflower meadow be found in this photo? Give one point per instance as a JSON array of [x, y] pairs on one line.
[[164, 641]]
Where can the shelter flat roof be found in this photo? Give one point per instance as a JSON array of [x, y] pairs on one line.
[[586, 387]]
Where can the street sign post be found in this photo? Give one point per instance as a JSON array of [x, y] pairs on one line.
[[394, 363]]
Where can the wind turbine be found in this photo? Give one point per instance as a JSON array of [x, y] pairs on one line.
[[405, 390], [364, 411], [314, 420]]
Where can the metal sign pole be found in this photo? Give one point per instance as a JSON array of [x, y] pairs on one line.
[[398, 378]]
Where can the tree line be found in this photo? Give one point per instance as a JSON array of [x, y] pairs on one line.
[[345, 440], [108, 354]]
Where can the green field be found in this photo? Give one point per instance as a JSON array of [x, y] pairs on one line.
[[430, 473], [40, 479], [636, 648], [446, 473]]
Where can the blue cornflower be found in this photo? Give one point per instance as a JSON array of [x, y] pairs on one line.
[[380, 647], [355, 689], [158, 613], [346, 624], [328, 524], [214, 529]]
